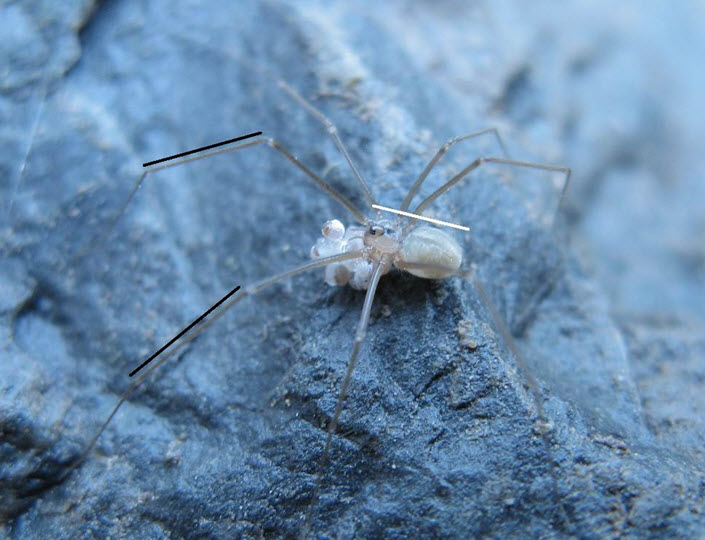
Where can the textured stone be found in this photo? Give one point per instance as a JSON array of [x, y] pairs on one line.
[[439, 435]]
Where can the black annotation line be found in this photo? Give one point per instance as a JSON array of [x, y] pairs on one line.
[[177, 336], [215, 145]]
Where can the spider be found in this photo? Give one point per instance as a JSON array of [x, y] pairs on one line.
[[357, 255]]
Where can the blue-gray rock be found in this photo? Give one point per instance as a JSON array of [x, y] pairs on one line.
[[440, 435]]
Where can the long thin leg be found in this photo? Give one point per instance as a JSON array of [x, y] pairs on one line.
[[333, 132], [333, 425], [471, 276], [531, 381], [199, 328], [339, 197], [150, 170], [500, 161], [272, 143], [30, 143], [441, 152]]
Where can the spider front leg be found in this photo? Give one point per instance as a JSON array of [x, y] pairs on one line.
[[271, 143], [196, 328]]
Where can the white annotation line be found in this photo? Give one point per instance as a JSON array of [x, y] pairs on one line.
[[424, 218]]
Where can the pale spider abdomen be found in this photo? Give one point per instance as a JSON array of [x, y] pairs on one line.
[[337, 240], [428, 245]]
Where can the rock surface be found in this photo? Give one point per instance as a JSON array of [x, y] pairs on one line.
[[439, 435]]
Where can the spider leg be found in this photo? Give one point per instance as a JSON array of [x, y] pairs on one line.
[[470, 275], [199, 326], [28, 147], [441, 152], [333, 425], [272, 143], [499, 161], [333, 132], [543, 425], [339, 197]]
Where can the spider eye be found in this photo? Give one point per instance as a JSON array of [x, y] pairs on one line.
[[376, 230]]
